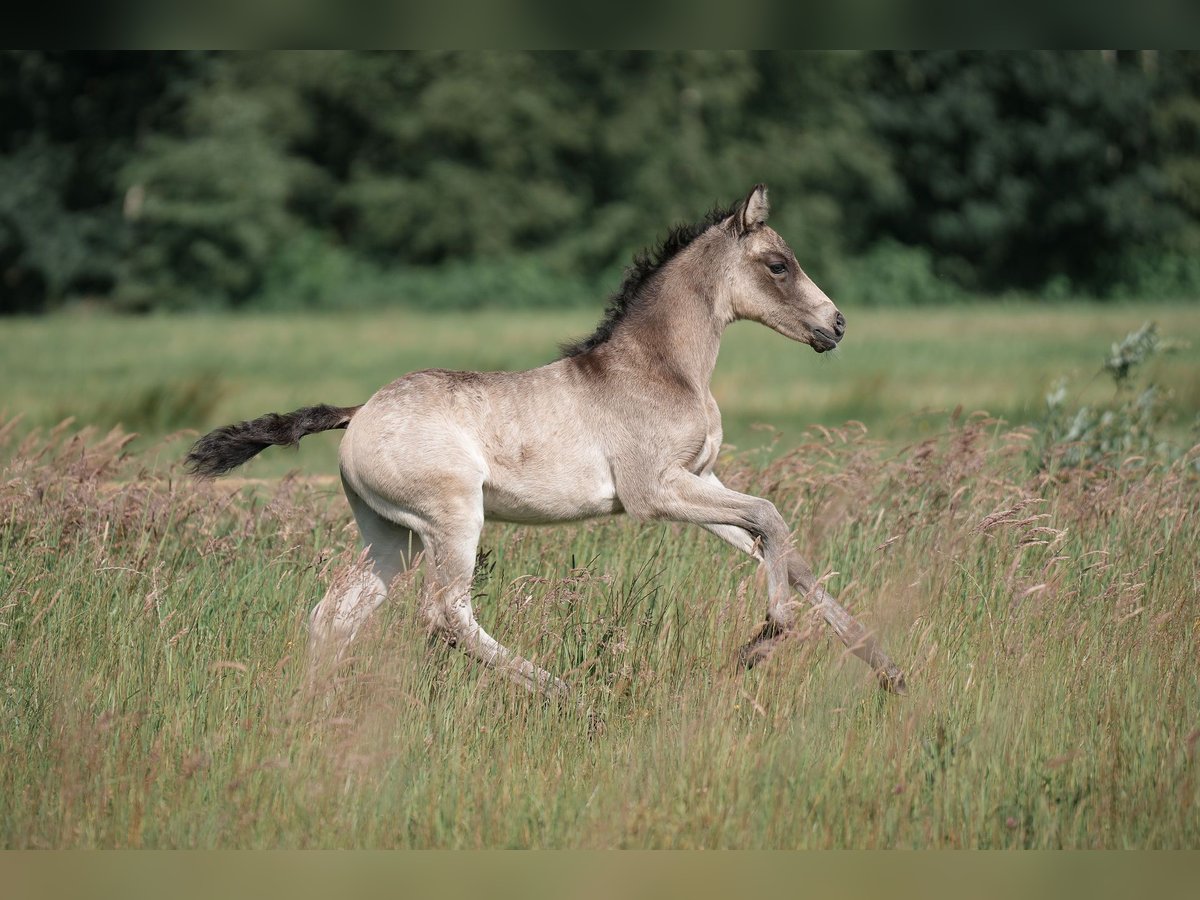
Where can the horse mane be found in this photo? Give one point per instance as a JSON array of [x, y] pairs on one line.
[[646, 264]]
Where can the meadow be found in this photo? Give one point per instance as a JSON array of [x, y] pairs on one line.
[[155, 694], [899, 371]]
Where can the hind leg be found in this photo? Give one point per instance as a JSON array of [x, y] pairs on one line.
[[454, 541], [355, 594]]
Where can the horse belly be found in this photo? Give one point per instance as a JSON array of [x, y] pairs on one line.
[[549, 495]]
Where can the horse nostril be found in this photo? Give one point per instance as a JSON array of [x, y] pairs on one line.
[[839, 324]]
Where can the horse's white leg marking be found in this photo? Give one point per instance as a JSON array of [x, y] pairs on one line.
[[454, 543], [354, 595]]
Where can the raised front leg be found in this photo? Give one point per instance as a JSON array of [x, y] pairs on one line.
[[781, 617], [704, 501]]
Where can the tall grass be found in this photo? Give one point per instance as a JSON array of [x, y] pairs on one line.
[[154, 690]]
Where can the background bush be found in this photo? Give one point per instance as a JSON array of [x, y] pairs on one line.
[[169, 180]]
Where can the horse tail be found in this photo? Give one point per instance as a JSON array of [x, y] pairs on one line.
[[227, 448]]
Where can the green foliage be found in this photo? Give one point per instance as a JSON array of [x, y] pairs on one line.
[[71, 120], [521, 282], [1129, 424], [334, 178], [308, 272], [210, 212], [1176, 130], [334, 279], [1163, 274], [1021, 167], [47, 249], [892, 274]]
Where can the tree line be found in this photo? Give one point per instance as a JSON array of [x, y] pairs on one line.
[[148, 180]]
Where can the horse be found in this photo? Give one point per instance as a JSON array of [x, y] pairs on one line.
[[623, 421]]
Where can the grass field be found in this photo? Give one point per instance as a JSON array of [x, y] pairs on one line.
[[153, 629], [898, 371]]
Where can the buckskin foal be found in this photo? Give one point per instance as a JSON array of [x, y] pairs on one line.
[[624, 421]]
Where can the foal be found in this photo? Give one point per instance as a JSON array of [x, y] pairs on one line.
[[623, 422]]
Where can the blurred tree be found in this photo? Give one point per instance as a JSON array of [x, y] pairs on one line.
[[70, 119], [209, 206], [1177, 129], [1022, 167], [675, 133], [319, 177], [407, 159]]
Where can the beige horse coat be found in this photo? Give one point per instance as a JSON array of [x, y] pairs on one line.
[[624, 422]]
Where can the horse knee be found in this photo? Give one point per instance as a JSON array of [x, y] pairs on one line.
[[433, 617], [348, 603], [443, 616], [769, 523], [782, 616]]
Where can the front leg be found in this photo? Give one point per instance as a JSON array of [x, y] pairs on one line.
[[681, 496], [781, 617]]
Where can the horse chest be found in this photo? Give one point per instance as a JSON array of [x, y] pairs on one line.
[[706, 457]]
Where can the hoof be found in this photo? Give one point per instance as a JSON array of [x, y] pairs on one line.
[[754, 653], [892, 681], [553, 689], [596, 725], [759, 647]]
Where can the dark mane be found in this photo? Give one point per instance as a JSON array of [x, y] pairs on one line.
[[646, 265]]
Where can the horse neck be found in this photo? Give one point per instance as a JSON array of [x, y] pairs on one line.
[[676, 331]]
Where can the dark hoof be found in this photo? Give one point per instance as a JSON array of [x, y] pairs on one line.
[[892, 681], [754, 653], [759, 647], [596, 725]]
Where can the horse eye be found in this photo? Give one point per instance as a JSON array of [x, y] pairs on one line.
[[778, 268]]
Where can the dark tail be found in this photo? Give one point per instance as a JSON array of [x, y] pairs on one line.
[[227, 448]]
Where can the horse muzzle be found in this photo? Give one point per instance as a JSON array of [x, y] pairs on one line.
[[823, 340]]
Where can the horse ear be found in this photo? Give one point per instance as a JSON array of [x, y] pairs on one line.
[[754, 211]]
